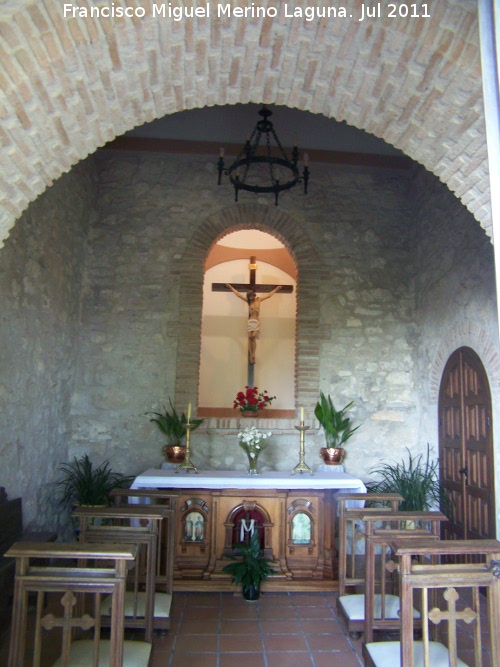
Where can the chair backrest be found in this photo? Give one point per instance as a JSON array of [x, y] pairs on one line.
[[167, 499], [132, 524], [351, 540], [381, 567], [453, 596], [58, 573]]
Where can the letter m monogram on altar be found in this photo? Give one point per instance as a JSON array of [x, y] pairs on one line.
[[246, 528]]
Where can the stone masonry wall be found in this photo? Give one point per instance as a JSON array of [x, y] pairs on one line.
[[150, 207], [85, 357], [41, 267]]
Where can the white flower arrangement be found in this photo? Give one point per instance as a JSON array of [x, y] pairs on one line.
[[252, 437]]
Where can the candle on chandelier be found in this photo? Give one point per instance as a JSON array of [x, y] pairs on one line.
[[302, 415], [189, 413]]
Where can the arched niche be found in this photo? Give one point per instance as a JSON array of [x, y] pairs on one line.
[[248, 511], [224, 368], [190, 273]]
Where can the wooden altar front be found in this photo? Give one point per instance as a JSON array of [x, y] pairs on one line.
[[217, 510]]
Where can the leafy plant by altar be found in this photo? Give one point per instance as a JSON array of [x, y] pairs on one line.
[[252, 400], [251, 568], [173, 425], [335, 423], [416, 480], [83, 483]]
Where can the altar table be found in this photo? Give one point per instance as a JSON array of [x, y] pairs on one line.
[[230, 479], [293, 514]]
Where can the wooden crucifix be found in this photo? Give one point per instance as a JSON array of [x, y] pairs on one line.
[[252, 288]]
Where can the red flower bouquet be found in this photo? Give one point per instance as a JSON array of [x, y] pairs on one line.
[[252, 400]]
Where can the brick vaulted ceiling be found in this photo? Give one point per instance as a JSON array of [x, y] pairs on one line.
[[69, 85]]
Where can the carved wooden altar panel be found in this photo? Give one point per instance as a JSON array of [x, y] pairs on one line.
[[296, 530]]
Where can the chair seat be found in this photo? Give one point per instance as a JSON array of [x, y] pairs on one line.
[[354, 607], [163, 602], [135, 654], [384, 654]]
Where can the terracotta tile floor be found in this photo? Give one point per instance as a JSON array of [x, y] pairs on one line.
[[278, 630]]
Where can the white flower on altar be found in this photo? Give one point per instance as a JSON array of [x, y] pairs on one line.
[[253, 437]]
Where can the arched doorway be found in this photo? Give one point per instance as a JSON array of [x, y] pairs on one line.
[[466, 446]]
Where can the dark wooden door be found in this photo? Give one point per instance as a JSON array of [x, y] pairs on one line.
[[466, 447]]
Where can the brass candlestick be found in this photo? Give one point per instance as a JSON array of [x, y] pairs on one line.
[[186, 464], [301, 465]]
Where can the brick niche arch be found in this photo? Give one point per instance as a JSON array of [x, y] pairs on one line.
[[190, 271], [69, 85], [467, 334]]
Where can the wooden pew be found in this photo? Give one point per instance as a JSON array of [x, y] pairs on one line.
[[145, 606], [11, 531], [377, 607], [351, 549], [167, 499], [452, 596], [70, 575]]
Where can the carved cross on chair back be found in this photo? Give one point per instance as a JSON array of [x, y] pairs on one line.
[[74, 578], [450, 597]]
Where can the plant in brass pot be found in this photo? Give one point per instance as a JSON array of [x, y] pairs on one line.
[[251, 568], [336, 426], [173, 426]]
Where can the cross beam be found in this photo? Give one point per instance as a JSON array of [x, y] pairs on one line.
[[245, 287]]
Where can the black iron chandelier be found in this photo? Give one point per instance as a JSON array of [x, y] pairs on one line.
[[267, 168]]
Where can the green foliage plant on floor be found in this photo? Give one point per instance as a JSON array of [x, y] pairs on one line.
[[417, 480], [85, 484]]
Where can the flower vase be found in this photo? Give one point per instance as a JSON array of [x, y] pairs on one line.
[[252, 463], [252, 452]]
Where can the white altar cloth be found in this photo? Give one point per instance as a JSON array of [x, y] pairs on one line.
[[155, 478]]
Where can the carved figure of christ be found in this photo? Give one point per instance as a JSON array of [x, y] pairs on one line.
[[251, 289]]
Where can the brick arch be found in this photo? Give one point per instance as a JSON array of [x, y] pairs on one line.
[[71, 85], [191, 274], [466, 334]]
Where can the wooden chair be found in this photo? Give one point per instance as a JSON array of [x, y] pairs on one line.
[[377, 607], [60, 631], [167, 499], [145, 606], [453, 597], [351, 536]]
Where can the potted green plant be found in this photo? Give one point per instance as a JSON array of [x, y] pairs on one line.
[[83, 483], [417, 481], [251, 568], [173, 426], [336, 426]]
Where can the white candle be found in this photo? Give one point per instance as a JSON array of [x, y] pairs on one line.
[[189, 412], [302, 414]]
